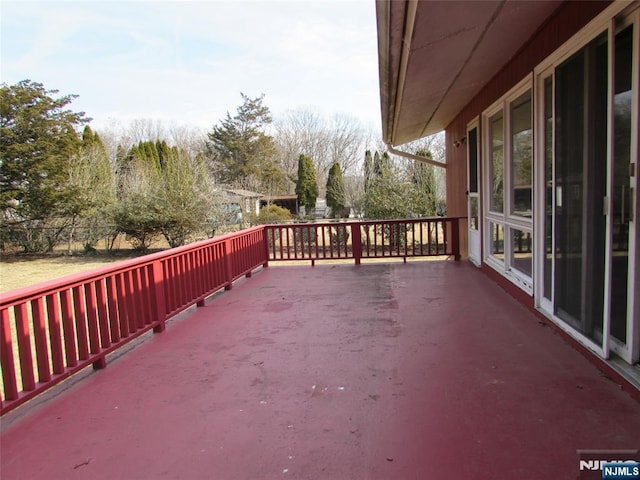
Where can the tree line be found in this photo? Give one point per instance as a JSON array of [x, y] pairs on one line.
[[61, 181]]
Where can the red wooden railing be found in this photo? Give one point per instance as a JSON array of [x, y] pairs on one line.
[[361, 240], [50, 331], [53, 330]]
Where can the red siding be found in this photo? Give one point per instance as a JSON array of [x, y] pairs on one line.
[[567, 20]]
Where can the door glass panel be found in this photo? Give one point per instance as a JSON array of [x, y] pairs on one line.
[[473, 178], [548, 186], [521, 149], [621, 181], [497, 163], [473, 160], [473, 212], [580, 173]]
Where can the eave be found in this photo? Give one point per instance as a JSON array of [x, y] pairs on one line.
[[435, 57]]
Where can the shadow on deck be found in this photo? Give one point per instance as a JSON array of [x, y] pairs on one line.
[[417, 370]]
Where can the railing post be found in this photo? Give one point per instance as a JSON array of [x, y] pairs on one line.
[[158, 294], [265, 240], [455, 238], [227, 264], [356, 241]]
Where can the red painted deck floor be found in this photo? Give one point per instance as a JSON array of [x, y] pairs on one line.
[[419, 370]]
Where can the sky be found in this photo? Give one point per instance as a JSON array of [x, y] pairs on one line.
[[186, 62]]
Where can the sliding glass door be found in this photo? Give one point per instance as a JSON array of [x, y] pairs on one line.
[[580, 184], [587, 113]]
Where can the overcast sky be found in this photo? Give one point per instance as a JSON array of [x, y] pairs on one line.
[[186, 62]]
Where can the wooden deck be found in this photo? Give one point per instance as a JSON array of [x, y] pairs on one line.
[[378, 371]]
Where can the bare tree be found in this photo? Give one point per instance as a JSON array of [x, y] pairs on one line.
[[299, 132], [346, 137], [190, 139], [338, 140], [146, 129]]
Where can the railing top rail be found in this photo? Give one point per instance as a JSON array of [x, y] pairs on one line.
[[69, 281], [410, 220], [363, 222]]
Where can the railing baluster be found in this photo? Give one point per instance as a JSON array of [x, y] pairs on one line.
[[40, 335], [24, 346], [55, 333], [128, 303], [103, 316], [81, 322], [148, 292], [69, 329], [6, 358], [115, 290], [92, 314], [139, 300]]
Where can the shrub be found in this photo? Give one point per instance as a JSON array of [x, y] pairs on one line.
[[272, 214]]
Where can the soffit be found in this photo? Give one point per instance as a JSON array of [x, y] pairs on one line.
[[453, 50]]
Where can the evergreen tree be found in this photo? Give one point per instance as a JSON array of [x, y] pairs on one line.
[[163, 191], [381, 164], [307, 186], [335, 191], [368, 170], [183, 198], [423, 178], [164, 152], [240, 147], [93, 187], [37, 138], [389, 195]]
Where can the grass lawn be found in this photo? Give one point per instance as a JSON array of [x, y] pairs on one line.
[[20, 271]]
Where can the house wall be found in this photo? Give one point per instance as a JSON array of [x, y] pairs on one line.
[[567, 20], [580, 270]]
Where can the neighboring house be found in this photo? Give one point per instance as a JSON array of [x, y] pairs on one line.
[[239, 204], [539, 101], [290, 202], [248, 201]]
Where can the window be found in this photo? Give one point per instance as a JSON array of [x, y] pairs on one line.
[[521, 150], [497, 240], [509, 185], [521, 251], [497, 163]]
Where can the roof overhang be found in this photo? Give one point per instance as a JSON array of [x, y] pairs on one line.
[[435, 56]]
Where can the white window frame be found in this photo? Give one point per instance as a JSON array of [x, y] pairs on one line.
[[506, 219]]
